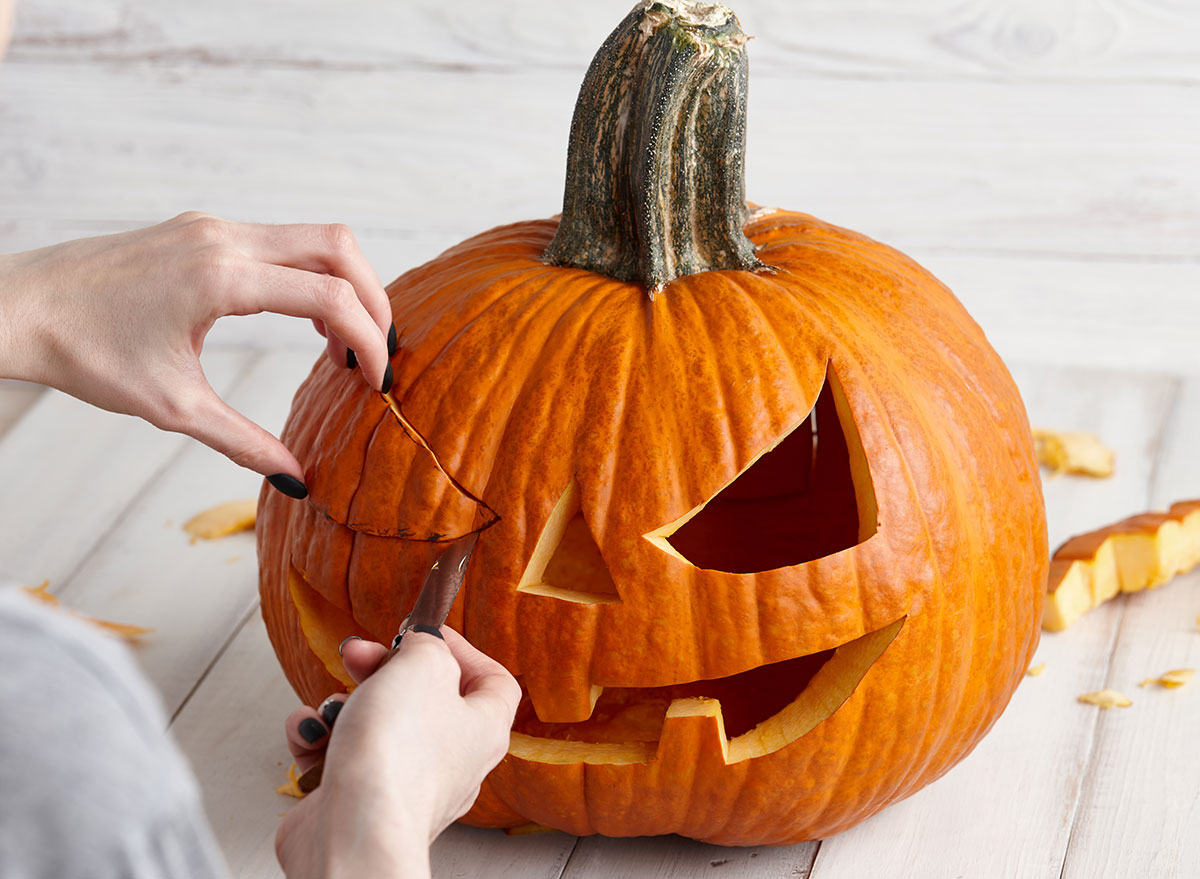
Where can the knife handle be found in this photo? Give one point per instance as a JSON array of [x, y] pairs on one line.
[[310, 779]]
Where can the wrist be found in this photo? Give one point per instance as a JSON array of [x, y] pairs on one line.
[[22, 326]]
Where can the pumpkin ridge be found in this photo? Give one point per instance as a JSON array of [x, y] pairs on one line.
[[546, 300]]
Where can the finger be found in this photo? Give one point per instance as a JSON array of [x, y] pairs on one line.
[[325, 297], [319, 326], [219, 426], [331, 249], [484, 680], [361, 658], [306, 736]]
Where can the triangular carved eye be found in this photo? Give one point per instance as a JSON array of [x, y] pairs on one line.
[[566, 562], [807, 496]]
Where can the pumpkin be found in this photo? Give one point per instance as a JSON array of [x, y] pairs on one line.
[[763, 537]]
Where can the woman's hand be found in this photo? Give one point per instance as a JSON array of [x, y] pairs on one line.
[[406, 758], [119, 321]]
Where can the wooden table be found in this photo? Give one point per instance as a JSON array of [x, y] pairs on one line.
[[1041, 158]]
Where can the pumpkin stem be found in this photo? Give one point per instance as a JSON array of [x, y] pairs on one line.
[[655, 167]]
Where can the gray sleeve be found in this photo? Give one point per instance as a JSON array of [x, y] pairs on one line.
[[91, 787]]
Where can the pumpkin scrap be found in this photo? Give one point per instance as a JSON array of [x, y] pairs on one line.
[[1141, 552], [1036, 670], [223, 519], [1073, 452], [291, 787], [124, 630], [525, 829], [1106, 699], [1171, 680]]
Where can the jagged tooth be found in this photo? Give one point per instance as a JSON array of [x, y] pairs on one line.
[[694, 726], [562, 701]]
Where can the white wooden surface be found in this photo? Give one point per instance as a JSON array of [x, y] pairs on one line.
[[1040, 156]]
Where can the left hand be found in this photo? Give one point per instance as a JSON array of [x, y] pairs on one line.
[[119, 320]]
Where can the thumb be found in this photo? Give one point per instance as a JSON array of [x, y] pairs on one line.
[[221, 427]]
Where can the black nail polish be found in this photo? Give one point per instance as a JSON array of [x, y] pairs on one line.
[[289, 485], [312, 730], [429, 630], [392, 341], [387, 379], [351, 358], [344, 640], [331, 710]]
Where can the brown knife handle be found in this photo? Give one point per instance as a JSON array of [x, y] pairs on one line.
[[310, 779]]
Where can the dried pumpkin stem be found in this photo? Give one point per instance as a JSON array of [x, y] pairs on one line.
[[655, 166]]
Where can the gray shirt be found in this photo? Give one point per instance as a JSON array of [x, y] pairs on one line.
[[91, 787]]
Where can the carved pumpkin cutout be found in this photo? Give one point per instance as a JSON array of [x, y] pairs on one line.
[[732, 620], [808, 496]]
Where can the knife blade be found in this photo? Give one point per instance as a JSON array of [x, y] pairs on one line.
[[431, 608]]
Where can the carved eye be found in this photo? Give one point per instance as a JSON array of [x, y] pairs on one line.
[[807, 496]]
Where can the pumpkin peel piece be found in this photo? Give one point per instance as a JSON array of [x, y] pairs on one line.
[[42, 593], [1075, 452], [1171, 680], [1141, 552], [1106, 698], [223, 520]]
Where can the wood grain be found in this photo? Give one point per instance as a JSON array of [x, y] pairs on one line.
[[919, 39], [1139, 809], [70, 472], [15, 399]]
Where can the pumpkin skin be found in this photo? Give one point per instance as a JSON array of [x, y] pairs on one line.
[[522, 377]]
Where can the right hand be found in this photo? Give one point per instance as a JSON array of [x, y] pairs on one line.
[[406, 758]]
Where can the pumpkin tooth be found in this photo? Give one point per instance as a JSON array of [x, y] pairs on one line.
[[557, 701]]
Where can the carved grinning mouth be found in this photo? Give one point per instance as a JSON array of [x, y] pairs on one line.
[[756, 712]]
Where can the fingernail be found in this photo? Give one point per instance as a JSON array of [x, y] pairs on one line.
[[429, 630], [351, 358], [392, 341], [387, 378], [330, 709], [289, 485], [346, 640], [312, 730]]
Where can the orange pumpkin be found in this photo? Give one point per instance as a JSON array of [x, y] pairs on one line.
[[766, 550]]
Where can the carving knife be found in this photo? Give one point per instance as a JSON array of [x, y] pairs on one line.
[[432, 605]]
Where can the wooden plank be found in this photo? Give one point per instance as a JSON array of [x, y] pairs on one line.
[[146, 571], [922, 39], [1007, 809], [69, 472], [942, 165], [15, 400], [1139, 811], [232, 731], [667, 857]]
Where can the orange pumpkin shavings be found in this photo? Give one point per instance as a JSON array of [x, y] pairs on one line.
[[1106, 699], [1141, 552], [1035, 670], [291, 787], [1073, 452], [1172, 679], [222, 520], [124, 630]]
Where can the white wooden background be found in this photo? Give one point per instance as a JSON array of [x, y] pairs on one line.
[[1040, 156]]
